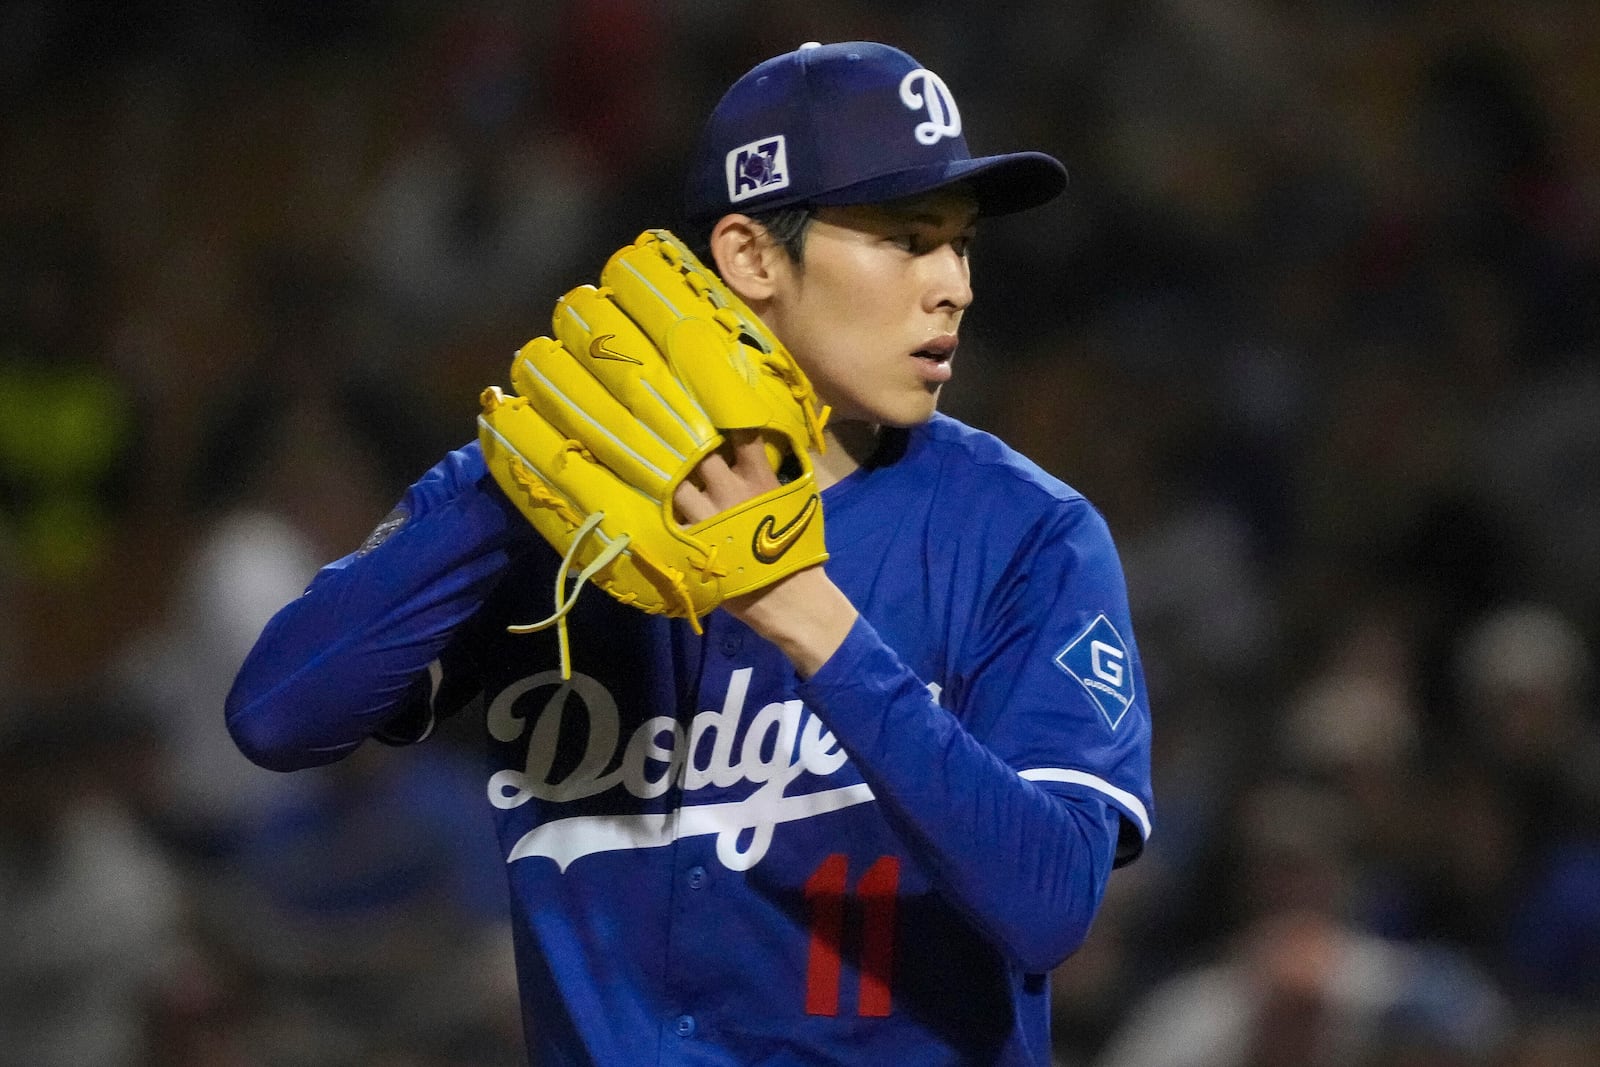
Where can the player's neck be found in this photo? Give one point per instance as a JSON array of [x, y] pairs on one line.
[[850, 444]]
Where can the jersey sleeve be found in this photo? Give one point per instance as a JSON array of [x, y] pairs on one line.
[[362, 653], [1017, 794], [1051, 677]]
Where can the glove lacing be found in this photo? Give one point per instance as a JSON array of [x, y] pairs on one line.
[[611, 551]]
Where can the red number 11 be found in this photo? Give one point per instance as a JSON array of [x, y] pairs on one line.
[[825, 898]]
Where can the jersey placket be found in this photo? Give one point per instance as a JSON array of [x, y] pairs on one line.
[[695, 950]]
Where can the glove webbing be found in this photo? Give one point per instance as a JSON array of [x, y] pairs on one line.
[[734, 319]]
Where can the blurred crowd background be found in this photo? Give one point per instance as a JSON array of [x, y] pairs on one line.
[[1317, 327]]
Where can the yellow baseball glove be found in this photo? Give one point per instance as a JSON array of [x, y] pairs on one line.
[[644, 377]]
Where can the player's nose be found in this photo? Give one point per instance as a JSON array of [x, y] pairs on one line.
[[949, 280]]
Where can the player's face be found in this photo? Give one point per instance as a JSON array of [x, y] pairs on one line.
[[873, 310]]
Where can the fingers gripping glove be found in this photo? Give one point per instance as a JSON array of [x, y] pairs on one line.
[[643, 379]]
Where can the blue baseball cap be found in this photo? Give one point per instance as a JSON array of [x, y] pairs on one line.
[[852, 123]]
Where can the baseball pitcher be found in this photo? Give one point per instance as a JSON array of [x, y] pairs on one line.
[[815, 723]]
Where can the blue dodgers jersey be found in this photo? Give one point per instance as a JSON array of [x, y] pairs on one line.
[[702, 875]]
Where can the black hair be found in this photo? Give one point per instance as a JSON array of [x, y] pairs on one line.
[[785, 225], [788, 226]]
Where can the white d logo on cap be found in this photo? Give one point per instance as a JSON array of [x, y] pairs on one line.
[[924, 90]]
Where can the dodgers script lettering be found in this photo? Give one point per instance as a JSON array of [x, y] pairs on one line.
[[779, 744]]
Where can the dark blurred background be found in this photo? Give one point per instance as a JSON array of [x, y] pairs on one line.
[[1316, 327]]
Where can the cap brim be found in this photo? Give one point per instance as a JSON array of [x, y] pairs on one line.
[[1002, 184]]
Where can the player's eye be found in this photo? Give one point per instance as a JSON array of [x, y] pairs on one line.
[[920, 244]]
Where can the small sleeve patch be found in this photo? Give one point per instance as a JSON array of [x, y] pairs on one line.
[[1097, 659], [381, 533]]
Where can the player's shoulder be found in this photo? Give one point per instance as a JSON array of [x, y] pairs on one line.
[[460, 479], [1006, 500], [459, 471], [983, 467]]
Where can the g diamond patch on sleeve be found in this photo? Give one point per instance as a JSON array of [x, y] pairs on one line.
[[1098, 660]]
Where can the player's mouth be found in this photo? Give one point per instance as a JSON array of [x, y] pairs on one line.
[[933, 359]]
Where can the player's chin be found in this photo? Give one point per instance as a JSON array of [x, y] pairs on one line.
[[902, 410], [907, 423], [914, 410]]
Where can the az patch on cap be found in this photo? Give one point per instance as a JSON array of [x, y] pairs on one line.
[[1098, 660], [758, 167]]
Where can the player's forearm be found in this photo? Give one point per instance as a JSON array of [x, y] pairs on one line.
[[1029, 867], [333, 666]]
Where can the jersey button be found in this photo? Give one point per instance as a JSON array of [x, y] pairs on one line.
[[684, 1026], [731, 643], [697, 877]]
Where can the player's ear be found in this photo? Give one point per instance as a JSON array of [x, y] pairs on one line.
[[746, 257]]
